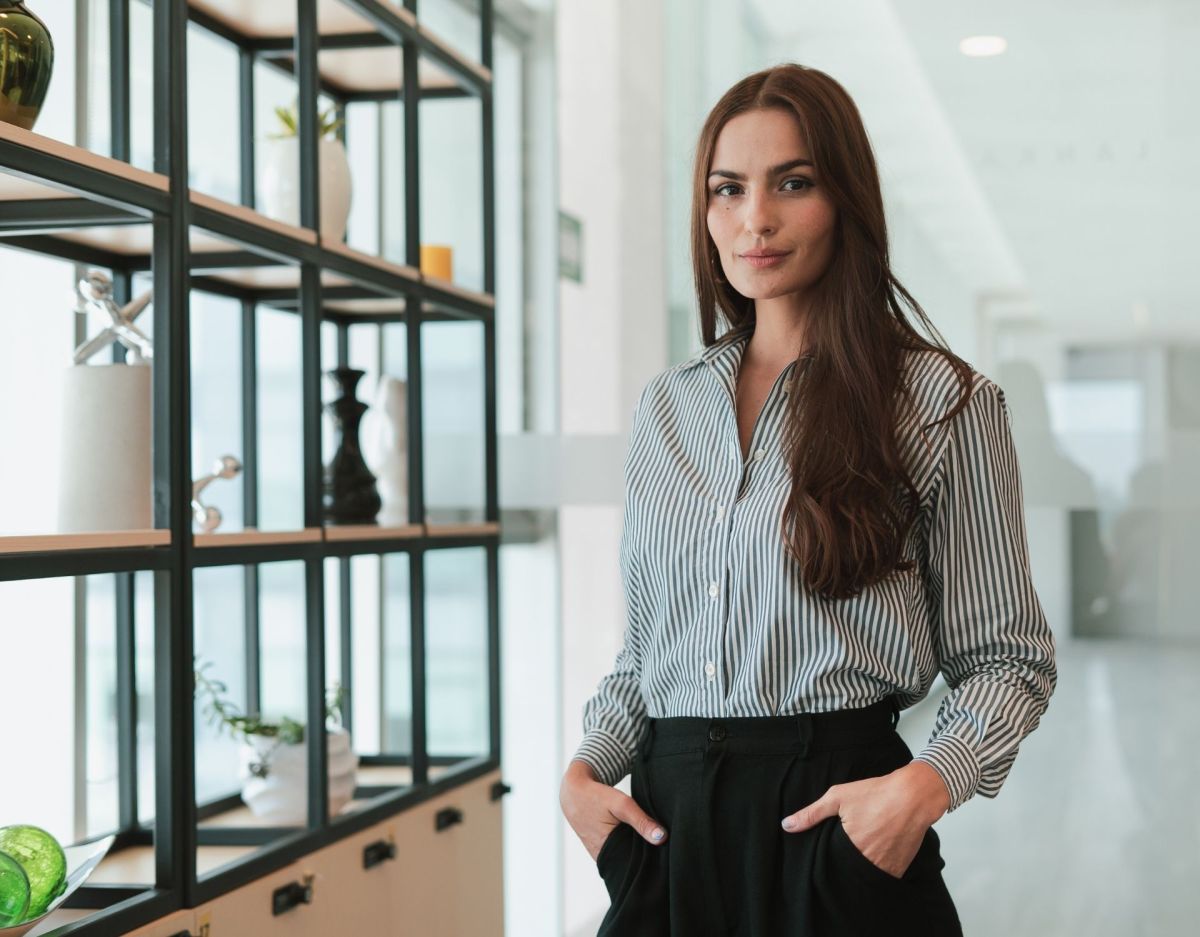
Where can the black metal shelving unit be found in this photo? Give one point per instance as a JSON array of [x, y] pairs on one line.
[[161, 209]]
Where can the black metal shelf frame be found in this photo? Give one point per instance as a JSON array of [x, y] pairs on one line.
[[172, 213]]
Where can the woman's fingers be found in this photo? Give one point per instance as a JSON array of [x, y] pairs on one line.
[[647, 827], [594, 810]]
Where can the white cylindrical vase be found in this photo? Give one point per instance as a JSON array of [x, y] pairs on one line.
[[105, 477]]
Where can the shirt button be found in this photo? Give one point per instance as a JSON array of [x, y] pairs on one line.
[[709, 668], [758, 454], [713, 589]]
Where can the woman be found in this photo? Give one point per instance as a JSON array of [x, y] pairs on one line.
[[823, 510]]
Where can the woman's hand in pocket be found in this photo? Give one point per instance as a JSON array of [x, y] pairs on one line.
[[595, 809], [885, 818]]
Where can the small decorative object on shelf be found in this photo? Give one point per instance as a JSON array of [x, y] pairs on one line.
[[51, 873], [279, 182], [274, 758], [26, 62], [207, 516], [105, 476], [437, 260], [43, 861], [96, 295], [385, 448], [350, 493]]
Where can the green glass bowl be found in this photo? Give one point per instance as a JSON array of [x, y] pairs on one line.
[[14, 891]]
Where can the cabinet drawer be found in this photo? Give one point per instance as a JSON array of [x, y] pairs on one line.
[[248, 910]]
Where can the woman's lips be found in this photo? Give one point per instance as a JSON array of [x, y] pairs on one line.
[[763, 261]]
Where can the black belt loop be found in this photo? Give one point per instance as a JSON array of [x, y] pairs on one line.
[[895, 703], [804, 729]]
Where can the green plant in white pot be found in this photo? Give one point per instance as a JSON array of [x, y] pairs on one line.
[[279, 173], [274, 757]]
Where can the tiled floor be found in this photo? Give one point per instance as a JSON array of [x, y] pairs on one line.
[[1097, 830]]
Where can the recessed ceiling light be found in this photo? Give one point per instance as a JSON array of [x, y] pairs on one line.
[[982, 45]]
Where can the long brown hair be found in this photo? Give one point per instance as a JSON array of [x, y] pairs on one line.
[[841, 522]]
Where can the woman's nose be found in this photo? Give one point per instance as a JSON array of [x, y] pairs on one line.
[[760, 215]]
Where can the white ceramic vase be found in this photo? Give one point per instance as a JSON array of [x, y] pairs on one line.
[[384, 447], [105, 479], [282, 796], [279, 183]]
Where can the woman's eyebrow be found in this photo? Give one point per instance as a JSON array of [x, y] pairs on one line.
[[775, 170]]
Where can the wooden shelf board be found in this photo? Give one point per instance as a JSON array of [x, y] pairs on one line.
[[101, 540], [259, 19], [77, 154], [250, 216], [283, 276], [486, 299], [353, 253], [253, 537], [242, 816], [134, 865], [379, 69], [343, 532], [15, 187], [136, 240], [385, 775], [461, 530], [384, 305]]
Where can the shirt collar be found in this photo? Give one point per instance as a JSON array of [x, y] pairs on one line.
[[726, 349], [725, 354]]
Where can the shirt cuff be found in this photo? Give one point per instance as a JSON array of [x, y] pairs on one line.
[[604, 754], [955, 761]]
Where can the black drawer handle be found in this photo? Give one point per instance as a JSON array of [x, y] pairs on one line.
[[447, 816], [499, 789], [378, 852], [291, 895]]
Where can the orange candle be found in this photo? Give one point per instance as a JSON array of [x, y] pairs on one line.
[[437, 261]]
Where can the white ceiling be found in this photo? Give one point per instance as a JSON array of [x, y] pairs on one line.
[[1062, 168]]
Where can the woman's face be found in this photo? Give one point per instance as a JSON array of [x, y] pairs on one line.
[[764, 193]]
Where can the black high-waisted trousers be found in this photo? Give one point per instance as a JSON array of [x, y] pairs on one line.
[[729, 869]]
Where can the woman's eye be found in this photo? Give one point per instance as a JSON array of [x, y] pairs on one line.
[[805, 184]]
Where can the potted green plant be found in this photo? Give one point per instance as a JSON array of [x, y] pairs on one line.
[[273, 756], [279, 179]]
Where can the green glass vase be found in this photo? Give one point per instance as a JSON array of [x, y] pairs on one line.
[[26, 60], [14, 891]]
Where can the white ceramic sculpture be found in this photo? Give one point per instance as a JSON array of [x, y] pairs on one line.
[[383, 438]]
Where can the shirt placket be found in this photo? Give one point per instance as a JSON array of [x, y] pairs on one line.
[[730, 493]]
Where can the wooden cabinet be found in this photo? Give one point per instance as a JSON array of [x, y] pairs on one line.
[[451, 880], [439, 883]]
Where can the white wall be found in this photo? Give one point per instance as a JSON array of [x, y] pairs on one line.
[[613, 338]]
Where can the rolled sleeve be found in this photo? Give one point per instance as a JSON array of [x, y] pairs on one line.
[[612, 721], [994, 645]]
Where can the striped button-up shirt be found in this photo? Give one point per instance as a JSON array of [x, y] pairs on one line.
[[720, 624]]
